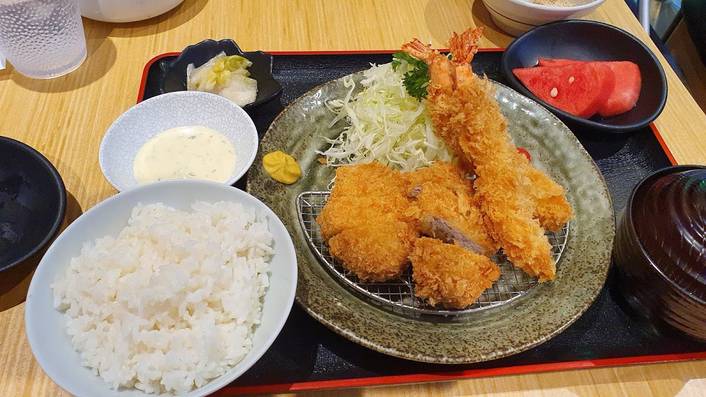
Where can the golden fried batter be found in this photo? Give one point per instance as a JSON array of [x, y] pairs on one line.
[[376, 252], [449, 275], [361, 194], [508, 211], [367, 221], [446, 208], [368, 180], [551, 208]]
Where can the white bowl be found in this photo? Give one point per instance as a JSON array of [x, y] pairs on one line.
[[518, 16], [45, 326], [125, 10], [141, 122]]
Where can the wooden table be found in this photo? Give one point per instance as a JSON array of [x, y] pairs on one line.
[[65, 119]]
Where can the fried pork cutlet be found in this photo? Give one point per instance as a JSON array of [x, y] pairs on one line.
[[366, 221], [445, 207], [362, 194], [378, 253], [450, 275]]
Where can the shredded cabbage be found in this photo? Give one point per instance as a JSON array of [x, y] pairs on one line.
[[386, 124]]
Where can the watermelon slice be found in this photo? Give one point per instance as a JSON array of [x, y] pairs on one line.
[[580, 89], [626, 92], [628, 82]]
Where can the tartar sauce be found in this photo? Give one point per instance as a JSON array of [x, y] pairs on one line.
[[191, 152]]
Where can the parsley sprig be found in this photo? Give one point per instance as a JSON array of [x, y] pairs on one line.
[[416, 78]]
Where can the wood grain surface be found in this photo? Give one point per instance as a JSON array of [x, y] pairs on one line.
[[684, 50], [65, 119]]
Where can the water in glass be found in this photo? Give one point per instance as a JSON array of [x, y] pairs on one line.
[[42, 38]]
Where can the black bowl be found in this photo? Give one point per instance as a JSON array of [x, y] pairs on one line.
[[660, 273], [174, 76], [591, 41], [32, 202]]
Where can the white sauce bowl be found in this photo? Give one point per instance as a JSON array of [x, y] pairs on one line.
[[143, 121], [518, 16]]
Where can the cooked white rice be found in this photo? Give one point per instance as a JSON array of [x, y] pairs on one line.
[[173, 300]]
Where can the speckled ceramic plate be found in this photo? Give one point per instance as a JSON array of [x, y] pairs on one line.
[[540, 314]]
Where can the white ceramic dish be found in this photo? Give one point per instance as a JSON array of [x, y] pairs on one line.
[[518, 16], [141, 122], [45, 326], [125, 10]]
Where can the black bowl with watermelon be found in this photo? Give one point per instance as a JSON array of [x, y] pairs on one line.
[[590, 74]]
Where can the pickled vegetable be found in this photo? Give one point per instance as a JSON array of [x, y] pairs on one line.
[[224, 75]]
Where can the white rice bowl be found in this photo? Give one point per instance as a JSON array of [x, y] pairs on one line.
[[187, 294], [172, 301]]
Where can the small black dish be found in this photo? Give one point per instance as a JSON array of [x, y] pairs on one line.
[[174, 72], [32, 202], [591, 41]]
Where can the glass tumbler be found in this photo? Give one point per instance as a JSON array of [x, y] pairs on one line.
[[42, 38]]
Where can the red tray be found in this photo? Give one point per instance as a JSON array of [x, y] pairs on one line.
[[660, 345]]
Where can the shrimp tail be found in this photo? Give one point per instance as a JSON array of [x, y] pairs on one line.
[[464, 47], [419, 50]]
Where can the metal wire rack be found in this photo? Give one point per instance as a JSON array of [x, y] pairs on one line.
[[398, 295]]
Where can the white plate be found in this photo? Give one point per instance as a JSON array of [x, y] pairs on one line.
[[518, 16], [46, 327], [141, 122], [125, 10]]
